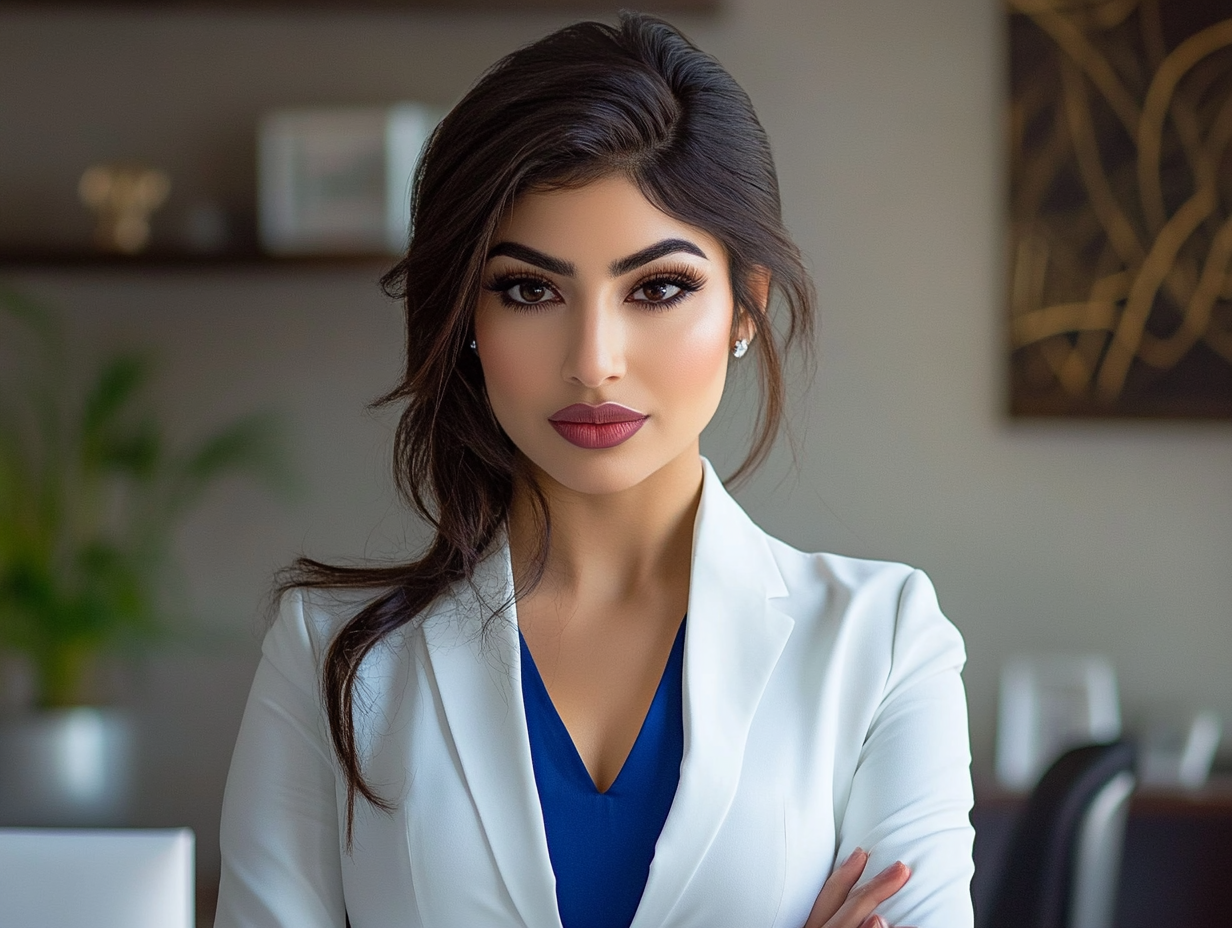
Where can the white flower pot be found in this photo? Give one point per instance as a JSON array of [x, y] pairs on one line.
[[67, 768]]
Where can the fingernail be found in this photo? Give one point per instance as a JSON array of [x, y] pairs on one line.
[[852, 856]]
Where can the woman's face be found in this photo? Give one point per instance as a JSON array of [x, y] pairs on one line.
[[604, 330]]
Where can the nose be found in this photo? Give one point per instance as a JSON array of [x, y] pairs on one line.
[[595, 354]]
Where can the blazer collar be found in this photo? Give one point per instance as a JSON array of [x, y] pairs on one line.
[[733, 640]]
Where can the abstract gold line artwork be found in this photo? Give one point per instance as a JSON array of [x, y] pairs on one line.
[[1120, 261]]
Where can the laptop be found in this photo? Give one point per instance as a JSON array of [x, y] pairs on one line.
[[96, 878]]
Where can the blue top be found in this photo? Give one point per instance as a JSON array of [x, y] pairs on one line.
[[601, 844]]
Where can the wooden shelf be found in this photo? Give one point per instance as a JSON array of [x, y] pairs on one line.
[[560, 6], [11, 261]]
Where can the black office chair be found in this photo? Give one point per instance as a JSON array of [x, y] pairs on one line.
[[1064, 859]]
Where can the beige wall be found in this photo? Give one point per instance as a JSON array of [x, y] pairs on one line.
[[885, 115]]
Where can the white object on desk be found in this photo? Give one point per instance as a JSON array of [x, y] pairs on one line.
[[1179, 752], [137, 878], [1049, 704]]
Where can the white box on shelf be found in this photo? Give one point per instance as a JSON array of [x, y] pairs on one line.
[[1049, 704], [337, 180]]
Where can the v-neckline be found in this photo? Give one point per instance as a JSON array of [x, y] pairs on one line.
[[553, 716]]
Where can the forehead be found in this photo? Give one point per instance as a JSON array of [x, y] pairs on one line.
[[603, 220]]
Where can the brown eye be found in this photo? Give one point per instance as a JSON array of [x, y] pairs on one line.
[[523, 290], [529, 292], [656, 291]]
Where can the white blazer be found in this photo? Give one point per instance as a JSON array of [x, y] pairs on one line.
[[823, 710]]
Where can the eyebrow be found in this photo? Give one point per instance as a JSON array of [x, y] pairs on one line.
[[669, 246], [620, 266], [532, 256]]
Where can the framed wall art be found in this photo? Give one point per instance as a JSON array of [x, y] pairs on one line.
[[1120, 208], [337, 180]]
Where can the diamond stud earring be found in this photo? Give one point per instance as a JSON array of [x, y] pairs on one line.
[[740, 348], [474, 346]]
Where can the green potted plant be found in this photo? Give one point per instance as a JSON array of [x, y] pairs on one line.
[[91, 493]]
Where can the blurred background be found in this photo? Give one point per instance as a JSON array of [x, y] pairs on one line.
[[1104, 536]]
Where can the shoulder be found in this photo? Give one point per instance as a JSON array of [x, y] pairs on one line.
[[835, 577], [306, 623], [804, 571], [877, 607]]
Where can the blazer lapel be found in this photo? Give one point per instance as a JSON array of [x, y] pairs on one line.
[[477, 675], [733, 640]]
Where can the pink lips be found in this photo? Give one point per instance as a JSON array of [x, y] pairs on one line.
[[602, 426]]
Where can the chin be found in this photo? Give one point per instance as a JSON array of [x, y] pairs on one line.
[[595, 472]]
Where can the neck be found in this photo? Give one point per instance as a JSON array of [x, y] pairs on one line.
[[610, 547]]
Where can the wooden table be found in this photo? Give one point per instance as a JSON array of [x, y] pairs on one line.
[[1177, 868]]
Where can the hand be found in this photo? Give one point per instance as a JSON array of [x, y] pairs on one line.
[[838, 906]]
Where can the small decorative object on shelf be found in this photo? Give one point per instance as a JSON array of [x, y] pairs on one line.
[[337, 180], [123, 196]]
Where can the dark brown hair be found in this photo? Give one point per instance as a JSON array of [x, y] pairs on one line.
[[591, 100]]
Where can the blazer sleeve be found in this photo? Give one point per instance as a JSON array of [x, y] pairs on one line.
[[279, 836], [911, 795]]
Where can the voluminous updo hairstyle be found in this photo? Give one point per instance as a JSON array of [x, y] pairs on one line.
[[592, 100]]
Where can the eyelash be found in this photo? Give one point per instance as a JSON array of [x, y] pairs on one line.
[[503, 283], [685, 278]]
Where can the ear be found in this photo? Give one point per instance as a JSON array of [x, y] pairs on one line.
[[758, 284]]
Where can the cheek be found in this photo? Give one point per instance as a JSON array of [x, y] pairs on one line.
[[511, 350], [689, 357]]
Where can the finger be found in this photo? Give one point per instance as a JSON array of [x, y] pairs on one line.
[[836, 888], [874, 921], [861, 902]]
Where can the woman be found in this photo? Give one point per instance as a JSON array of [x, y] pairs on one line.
[[603, 696]]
